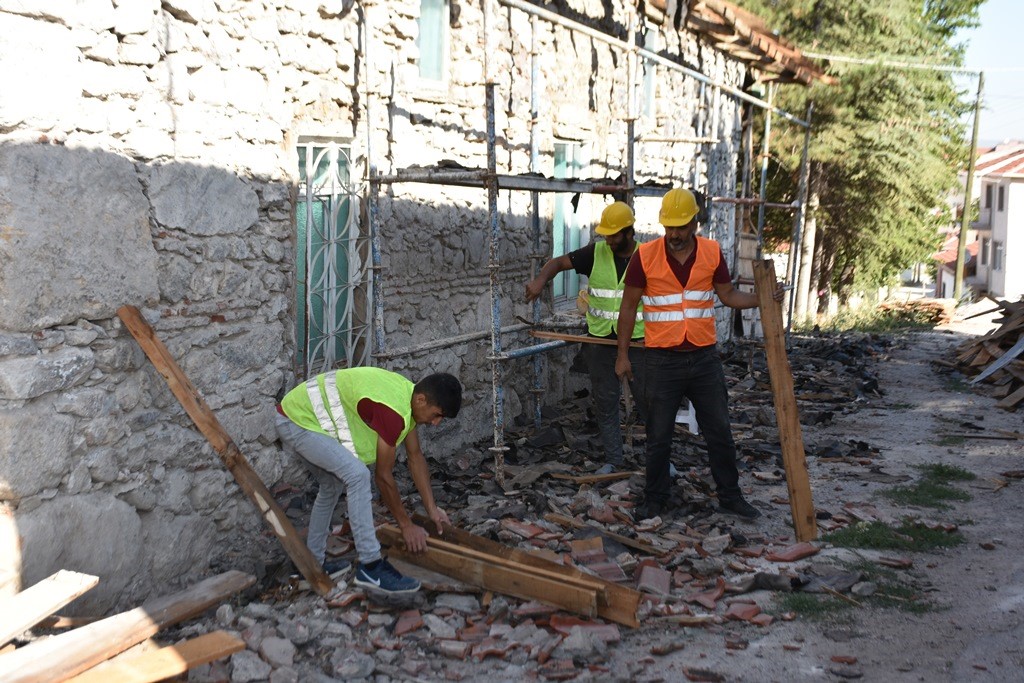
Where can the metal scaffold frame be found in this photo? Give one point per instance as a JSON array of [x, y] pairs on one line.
[[490, 180]]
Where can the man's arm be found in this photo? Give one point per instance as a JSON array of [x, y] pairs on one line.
[[626, 323], [415, 536], [420, 472], [535, 287], [734, 298]]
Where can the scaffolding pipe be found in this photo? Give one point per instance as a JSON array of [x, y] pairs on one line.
[[796, 249], [451, 341], [631, 65], [698, 156], [750, 201], [538, 362], [529, 350], [647, 54], [669, 139], [763, 189], [376, 302], [493, 263]]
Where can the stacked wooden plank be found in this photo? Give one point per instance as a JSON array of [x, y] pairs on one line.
[[495, 567], [933, 311], [82, 654], [998, 357]]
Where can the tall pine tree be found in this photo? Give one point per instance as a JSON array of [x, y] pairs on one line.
[[887, 142]]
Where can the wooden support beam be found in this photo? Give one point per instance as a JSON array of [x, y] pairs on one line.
[[616, 602], [786, 412], [565, 520], [561, 336], [207, 423], [157, 665], [65, 655], [494, 577], [22, 611]]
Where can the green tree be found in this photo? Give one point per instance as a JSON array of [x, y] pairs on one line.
[[887, 142]]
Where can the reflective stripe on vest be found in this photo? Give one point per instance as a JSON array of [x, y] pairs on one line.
[[674, 313], [605, 295], [331, 415]]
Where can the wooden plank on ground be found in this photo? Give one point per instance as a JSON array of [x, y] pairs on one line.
[[787, 414], [494, 577], [616, 602], [594, 478], [157, 665], [22, 611], [71, 653], [250, 482], [393, 535], [1011, 401], [567, 521], [1004, 360]]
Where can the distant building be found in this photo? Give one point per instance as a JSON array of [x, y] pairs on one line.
[[996, 239]]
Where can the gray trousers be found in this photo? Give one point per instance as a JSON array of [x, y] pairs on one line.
[[606, 389], [337, 469]]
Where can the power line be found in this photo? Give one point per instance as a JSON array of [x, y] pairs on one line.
[[952, 68]]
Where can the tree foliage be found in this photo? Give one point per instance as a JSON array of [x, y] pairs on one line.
[[887, 142]]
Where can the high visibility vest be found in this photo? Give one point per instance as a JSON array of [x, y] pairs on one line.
[[605, 295], [328, 404], [674, 313]]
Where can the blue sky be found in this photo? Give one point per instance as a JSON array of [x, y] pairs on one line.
[[995, 47]]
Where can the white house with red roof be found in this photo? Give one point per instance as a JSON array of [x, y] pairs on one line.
[[995, 249]]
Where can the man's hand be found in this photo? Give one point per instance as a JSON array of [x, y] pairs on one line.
[[623, 368], [780, 291], [440, 518], [534, 288], [415, 538]]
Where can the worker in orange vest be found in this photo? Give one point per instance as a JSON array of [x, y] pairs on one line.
[[677, 277]]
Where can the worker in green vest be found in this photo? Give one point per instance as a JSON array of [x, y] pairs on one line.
[[604, 263], [343, 422]]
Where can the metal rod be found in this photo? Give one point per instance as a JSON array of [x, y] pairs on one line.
[[763, 189], [530, 350], [376, 302], [450, 341], [699, 152], [961, 247], [750, 201], [631, 108], [647, 54], [538, 361], [795, 251], [669, 139]]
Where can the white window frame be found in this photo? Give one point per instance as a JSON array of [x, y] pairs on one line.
[[998, 255], [573, 224], [445, 46]]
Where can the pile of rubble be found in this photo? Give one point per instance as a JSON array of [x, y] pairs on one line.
[[993, 358]]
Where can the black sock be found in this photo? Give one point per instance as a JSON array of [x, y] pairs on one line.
[[371, 565]]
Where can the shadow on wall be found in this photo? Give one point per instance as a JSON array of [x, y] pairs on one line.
[[100, 470]]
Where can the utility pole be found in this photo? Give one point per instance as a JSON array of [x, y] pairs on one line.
[[961, 249]]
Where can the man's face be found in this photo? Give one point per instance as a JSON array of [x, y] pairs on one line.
[[679, 238], [424, 412], [621, 243]]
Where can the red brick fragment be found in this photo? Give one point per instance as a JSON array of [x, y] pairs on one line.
[[491, 647], [474, 633], [703, 675], [564, 624], [750, 551], [794, 552], [736, 644], [408, 622], [709, 598], [762, 619], [602, 514], [668, 648], [654, 580], [344, 600], [559, 670], [844, 659], [681, 577], [790, 647], [534, 609], [545, 650], [521, 528], [742, 611], [454, 648]]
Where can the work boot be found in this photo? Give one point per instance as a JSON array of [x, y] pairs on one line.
[[381, 576], [649, 510], [738, 507]]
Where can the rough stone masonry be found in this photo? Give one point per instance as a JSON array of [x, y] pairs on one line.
[[148, 157]]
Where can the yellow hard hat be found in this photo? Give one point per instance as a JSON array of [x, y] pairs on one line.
[[678, 207], [615, 217]]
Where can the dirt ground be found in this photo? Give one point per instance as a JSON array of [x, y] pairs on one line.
[[969, 621], [976, 629]]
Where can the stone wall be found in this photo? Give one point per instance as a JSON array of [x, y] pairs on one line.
[[148, 157]]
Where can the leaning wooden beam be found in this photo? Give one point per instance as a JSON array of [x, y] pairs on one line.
[[65, 655], [566, 521], [786, 413], [22, 611], [157, 665], [210, 426], [447, 559], [615, 602]]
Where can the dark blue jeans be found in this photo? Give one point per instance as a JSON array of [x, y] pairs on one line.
[[607, 389], [672, 376]]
